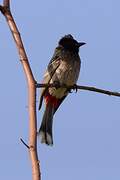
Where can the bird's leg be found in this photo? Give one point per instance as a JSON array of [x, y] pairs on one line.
[[75, 88], [69, 90]]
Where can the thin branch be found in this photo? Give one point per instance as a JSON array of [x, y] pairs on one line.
[[5, 10], [24, 143], [76, 87], [94, 89], [6, 3]]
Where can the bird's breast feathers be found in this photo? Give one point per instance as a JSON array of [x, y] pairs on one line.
[[67, 73]]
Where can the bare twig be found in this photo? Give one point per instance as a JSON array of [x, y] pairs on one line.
[[24, 143], [87, 88], [6, 3], [5, 10], [110, 93]]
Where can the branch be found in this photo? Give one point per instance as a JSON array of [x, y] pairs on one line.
[[76, 87], [24, 143], [6, 3], [5, 10]]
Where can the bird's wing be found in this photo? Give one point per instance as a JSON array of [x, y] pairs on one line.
[[52, 66]]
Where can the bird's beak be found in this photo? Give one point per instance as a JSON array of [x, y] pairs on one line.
[[81, 44]]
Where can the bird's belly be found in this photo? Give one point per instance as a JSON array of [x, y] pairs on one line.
[[58, 93], [66, 74]]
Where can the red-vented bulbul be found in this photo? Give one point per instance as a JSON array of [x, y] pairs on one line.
[[63, 68]]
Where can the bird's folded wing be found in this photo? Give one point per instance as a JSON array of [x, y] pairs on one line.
[[53, 65]]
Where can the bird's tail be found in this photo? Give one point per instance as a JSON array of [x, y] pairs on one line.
[[45, 130]]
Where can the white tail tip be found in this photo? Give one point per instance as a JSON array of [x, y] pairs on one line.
[[46, 138]]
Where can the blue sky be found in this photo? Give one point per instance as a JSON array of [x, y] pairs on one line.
[[87, 125]]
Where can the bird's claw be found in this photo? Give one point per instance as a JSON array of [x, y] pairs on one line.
[[69, 90]]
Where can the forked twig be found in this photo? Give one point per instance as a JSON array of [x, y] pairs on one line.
[[5, 10]]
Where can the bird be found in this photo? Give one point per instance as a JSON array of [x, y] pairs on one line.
[[63, 68]]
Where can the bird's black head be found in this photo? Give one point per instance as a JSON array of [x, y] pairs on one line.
[[69, 43]]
